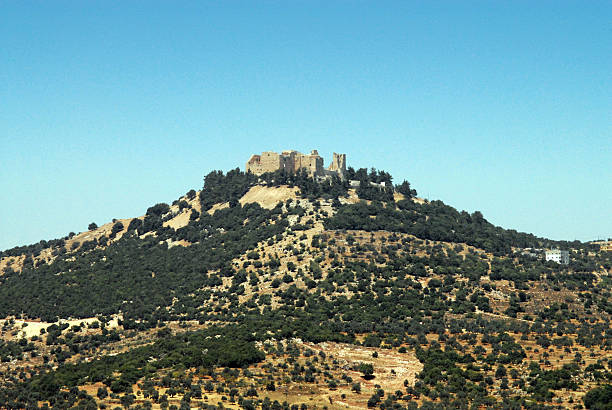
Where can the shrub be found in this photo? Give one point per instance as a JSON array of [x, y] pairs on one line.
[[599, 398]]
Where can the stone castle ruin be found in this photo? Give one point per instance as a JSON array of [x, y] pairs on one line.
[[294, 161]]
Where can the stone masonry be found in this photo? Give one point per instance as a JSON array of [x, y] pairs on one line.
[[294, 161]]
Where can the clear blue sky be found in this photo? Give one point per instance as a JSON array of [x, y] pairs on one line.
[[107, 108]]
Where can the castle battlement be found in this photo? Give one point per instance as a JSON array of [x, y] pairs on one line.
[[294, 161]]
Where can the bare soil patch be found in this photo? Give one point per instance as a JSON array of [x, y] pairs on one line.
[[268, 197]]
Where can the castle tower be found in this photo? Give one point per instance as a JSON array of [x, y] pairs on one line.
[[338, 164]]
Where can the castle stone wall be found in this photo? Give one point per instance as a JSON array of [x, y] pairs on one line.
[[338, 164], [294, 161]]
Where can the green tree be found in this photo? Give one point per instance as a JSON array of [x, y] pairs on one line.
[[367, 369], [404, 189], [599, 398], [102, 392], [127, 400], [500, 372]]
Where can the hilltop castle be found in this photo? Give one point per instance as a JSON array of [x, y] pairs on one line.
[[293, 161]]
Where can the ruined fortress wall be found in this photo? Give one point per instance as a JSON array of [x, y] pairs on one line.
[[293, 161], [313, 163], [266, 162], [338, 163]]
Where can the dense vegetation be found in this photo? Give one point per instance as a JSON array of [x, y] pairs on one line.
[[137, 275], [214, 347], [436, 221]]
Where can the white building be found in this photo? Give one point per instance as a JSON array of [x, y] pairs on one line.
[[356, 184], [558, 256]]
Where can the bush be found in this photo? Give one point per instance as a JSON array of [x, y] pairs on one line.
[[599, 398], [158, 209], [117, 227], [367, 369]]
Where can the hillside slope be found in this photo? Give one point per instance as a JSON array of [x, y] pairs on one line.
[[281, 290]]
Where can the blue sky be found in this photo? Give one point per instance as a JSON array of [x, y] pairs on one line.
[[107, 108]]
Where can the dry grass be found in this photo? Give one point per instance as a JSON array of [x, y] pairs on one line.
[[268, 197]]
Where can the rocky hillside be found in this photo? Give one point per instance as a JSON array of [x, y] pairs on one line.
[[281, 291]]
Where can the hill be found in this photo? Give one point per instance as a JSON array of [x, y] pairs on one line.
[[284, 291]]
